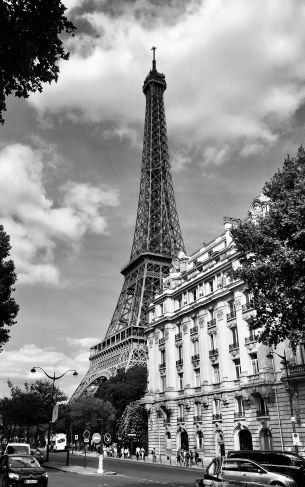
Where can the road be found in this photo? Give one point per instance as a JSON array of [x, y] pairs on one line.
[[128, 474]]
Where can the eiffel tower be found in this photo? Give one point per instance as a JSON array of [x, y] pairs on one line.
[[157, 241]]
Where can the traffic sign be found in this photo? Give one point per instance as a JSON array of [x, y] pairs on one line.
[[75, 437], [296, 439], [96, 438], [86, 434], [86, 440], [107, 438]]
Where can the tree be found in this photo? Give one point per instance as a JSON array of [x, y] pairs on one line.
[[28, 407], [30, 46], [126, 386], [8, 306], [272, 256], [134, 422]]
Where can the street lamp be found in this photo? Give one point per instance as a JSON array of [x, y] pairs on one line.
[[53, 379], [285, 363]]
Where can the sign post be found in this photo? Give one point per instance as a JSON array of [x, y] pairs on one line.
[[86, 436]]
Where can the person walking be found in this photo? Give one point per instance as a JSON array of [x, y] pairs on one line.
[[153, 452], [138, 452], [178, 456]]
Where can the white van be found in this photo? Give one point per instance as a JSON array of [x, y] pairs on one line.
[[17, 448]]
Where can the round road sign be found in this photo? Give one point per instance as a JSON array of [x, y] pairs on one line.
[[96, 438], [107, 438], [86, 434]]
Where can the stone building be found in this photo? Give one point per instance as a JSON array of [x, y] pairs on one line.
[[211, 385]]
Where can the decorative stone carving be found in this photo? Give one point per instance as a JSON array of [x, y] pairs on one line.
[[185, 328], [166, 334], [220, 314], [151, 342], [201, 321], [237, 303]]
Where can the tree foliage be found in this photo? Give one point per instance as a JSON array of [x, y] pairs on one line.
[[91, 413], [272, 256], [126, 386], [28, 406], [30, 46], [134, 421], [8, 306]]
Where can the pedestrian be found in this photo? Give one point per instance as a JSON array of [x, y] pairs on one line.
[[178, 457], [138, 452], [153, 452], [196, 455], [191, 458], [142, 453]]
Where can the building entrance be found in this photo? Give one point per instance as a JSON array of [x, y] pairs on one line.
[[184, 439], [245, 440]]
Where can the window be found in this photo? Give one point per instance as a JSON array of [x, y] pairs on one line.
[[181, 410], [197, 409], [211, 286], [219, 281], [196, 347], [178, 302], [193, 295], [216, 407], [254, 362], [200, 440], [180, 382], [163, 383], [162, 357], [213, 341], [237, 368], [234, 336], [216, 375], [197, 378], [180, 352], [302, 353], [239, 404]]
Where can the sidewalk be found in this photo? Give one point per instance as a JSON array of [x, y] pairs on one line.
[[93, 471]]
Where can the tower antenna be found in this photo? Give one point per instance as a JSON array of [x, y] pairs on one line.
[[154, 58]]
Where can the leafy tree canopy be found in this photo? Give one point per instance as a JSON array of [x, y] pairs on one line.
[[30, 46], [125, 387], [134, 421], [8, 306], [272, 256], [88, 412]]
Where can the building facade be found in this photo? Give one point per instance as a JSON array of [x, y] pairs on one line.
[[211, 385]]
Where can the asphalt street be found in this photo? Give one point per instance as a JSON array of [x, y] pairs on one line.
[[127, 473]]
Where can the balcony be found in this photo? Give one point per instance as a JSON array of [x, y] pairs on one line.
[[162, 368], [194, 330], [179, 365], [296, 372], [250, 339], [180, 419], [246, 307], [197, 419], [162, 341], [178, 337], [233, 346], [217, 417], [239, 415], [231, 315], [262, 413], [213, 353], [196, 360], [211, 324]]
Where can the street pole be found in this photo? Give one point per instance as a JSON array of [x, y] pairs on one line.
[[53, 379], [100, 469], [296, 448]]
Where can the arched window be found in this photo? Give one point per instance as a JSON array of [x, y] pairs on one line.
[[266, 439]]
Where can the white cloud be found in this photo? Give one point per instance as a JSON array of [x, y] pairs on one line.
[[35, 222], [235, 70], [16, 365]]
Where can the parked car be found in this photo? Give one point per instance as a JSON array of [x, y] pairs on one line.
[[17, 470], [242, 470], [38, 454], [20, 448], [276, 460]]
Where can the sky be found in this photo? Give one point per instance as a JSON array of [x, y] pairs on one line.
[[70, 157]]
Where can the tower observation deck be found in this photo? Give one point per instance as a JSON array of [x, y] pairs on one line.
[[157, 240]]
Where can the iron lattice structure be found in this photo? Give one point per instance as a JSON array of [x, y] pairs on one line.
[[157, 240]]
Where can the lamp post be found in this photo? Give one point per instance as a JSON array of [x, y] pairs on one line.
[[285, 363], [53, 379]]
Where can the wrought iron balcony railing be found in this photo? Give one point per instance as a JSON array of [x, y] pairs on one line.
[[261, 413], [231, 315], [179, 362], [197, 418], [233, 346], [178, 336], [213, 352], [180, 419], [211, 323], [194, 330], [217, 417]]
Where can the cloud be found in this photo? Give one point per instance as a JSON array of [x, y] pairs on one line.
[[16, 365], [234, 69], [35, 222]]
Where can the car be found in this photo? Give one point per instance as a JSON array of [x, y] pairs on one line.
[[281, 461], [38, 454], [21, 448], [17, 470], [242, 470]]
